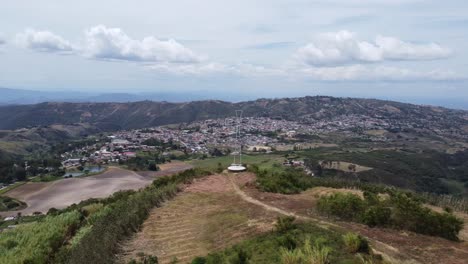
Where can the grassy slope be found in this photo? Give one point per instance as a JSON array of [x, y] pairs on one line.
[[262, 160]]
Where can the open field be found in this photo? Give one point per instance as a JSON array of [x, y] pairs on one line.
[[262, 160], [11, 187], [345, 166], [41, 196]]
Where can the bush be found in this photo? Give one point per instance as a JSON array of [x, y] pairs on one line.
[[346, 206], [377, 216], [354, 243], [317, 254], [402, 211], [37, 242], [288, 182], [284, 224], [199, 260]]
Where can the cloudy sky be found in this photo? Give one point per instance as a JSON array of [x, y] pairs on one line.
[[412, 50]]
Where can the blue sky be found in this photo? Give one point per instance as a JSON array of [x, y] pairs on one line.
[[408, 49]]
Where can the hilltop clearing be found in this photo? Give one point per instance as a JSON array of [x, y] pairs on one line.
[[205, 217]]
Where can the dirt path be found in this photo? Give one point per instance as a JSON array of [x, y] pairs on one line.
[[207, 216], [41, 196], [399, 247]]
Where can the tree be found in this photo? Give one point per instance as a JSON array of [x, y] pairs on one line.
[[153, 167], [20, 173]]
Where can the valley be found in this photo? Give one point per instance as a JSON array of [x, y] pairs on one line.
[[374, 171]]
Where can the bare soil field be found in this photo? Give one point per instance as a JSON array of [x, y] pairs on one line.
[[208, 215], [41, 196]]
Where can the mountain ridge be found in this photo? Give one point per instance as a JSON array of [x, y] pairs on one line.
[[114, 116]]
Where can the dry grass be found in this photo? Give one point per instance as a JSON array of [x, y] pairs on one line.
[[197, 222]]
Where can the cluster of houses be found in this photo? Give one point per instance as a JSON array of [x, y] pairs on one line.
[[115, 150]]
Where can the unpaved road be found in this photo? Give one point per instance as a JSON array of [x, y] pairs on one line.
[[41, 196]]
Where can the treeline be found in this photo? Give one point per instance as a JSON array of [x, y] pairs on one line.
[[419, 171], [398, 210], [88, 232], [16, 170]]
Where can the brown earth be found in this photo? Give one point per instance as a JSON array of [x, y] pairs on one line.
[[41, 196], [208, 215], [220, 210]]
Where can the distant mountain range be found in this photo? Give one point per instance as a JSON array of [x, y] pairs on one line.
[[23, 97], [115, 116]]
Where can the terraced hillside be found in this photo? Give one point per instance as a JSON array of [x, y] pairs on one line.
[[207, 216], [218, 211]]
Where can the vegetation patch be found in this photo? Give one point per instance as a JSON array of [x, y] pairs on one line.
[[10, 204], [290, 244], [400, 211], [88, 232], [35, 242]]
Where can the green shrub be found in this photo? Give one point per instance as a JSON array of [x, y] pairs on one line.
[[402, 211], [346, 206], [37, 242], [354, 243], [199, 260], [377, 216], [288, 182], [317, 254], [284, 224]]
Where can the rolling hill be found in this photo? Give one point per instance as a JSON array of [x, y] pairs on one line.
[[115, 116]]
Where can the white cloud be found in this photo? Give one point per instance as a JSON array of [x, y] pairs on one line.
[[375, 73], [2, 39], [343, 47], [113, 44], [44, 41], [332, 57], [212, 68]]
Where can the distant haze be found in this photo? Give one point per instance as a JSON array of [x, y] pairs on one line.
[[20, 97]]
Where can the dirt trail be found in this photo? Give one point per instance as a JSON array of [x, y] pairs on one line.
[[207, 216], [406, 251]]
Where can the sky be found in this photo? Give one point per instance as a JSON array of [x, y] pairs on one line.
[[409, 50]]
